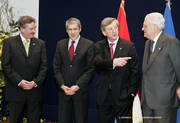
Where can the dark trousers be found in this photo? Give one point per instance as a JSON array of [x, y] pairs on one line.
[[32, 109], [109, 110], [167, 115], [69, 105]]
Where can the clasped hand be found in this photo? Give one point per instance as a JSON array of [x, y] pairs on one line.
[[26, 85], [70, 90], [178, 92]]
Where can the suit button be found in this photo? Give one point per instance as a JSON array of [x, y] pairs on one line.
[[110, 86], [70, 65]]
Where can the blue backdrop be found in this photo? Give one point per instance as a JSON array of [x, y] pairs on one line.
[[53, 15]]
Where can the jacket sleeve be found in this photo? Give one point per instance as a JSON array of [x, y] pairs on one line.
[[11, 75], [99, 62], [134, 77], [86, 76], [39, 79], [57, 65], [174, 52]]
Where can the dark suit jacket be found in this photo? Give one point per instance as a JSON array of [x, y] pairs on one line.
[[17, 66], [79, 70], [124, 80], [161, 73]]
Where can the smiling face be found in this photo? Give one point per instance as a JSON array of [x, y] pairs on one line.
[[73, 31], [29, 30], [111, 31]]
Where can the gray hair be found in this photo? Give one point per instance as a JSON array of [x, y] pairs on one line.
[[157, 19], [107, 21], [73, 20]]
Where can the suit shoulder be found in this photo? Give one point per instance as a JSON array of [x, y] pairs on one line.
[[39, 40], [11, 41], [126, 42], [165, 35], [62, 41], [12, 38], [101, 42], [170, 39], [86, 40]]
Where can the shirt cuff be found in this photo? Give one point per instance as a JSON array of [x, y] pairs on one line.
[[114, 66], [35, 85], [19, 83]]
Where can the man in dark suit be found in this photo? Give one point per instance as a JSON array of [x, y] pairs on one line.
[[161, 72], [116, 62], [73, 69], [24, 66]]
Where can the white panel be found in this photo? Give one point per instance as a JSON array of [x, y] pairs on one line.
[[26, 7]]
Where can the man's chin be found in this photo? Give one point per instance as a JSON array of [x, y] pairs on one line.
[[32, 36], [115, 37], [74, 38]]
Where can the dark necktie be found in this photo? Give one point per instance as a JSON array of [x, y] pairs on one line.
[[71, 50], [151, 46], [111, 50]]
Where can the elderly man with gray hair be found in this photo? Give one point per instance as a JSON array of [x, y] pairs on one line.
[[161, 72]]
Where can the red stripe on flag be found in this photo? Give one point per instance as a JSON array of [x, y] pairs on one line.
[[123, 28], [124, 33]]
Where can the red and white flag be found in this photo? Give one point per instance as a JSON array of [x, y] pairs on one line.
[[124, 33]]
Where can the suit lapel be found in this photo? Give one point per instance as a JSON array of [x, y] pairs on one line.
[[66, 51], [31, 46], [157, 50], [78, 49], [21, 46], [107, 49], [119, 49], [146, 55]]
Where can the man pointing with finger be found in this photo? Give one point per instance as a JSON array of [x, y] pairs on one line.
[[117, 64]]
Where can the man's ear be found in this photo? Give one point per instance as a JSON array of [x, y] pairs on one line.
[[21, 29], [80, 29], [104, 33]]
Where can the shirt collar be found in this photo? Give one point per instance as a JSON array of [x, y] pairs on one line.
[[115, 42], [22, 38], [157, 37], [70, 40]]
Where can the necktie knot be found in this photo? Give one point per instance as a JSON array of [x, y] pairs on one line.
[[152, 42], [26, 41], [72, 43], [111, 44]]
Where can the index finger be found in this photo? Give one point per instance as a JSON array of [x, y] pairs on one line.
[[127, 58]]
